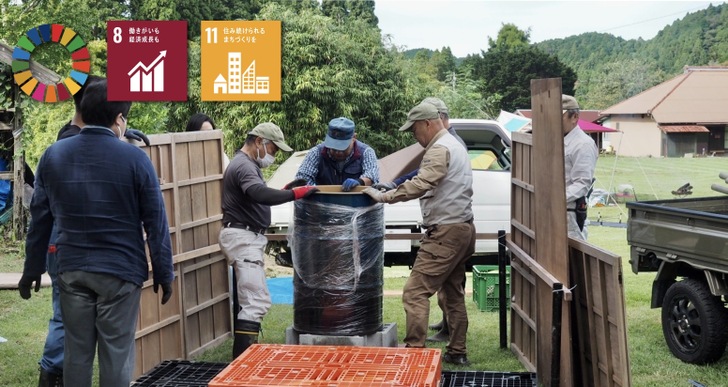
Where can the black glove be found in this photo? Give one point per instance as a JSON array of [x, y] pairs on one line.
[[166, 291], [296, 183], [137, 135], [26, 283]]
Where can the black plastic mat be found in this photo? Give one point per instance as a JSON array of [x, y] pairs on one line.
[[181, 373], [487, 379]]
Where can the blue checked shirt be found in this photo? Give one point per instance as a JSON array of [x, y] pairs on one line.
[[309, 167]]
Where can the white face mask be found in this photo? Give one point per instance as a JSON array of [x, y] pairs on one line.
[[267, 160], [121, 133]]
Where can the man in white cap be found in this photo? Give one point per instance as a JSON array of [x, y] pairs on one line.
[[580, 160], [246, 202], [444, 184]]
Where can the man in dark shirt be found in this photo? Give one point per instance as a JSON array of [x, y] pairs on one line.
[[99, 191], [246, 202]]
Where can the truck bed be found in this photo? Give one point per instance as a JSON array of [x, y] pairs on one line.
[[693, 231]]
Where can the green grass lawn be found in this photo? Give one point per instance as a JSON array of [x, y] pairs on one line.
[[24, 322]]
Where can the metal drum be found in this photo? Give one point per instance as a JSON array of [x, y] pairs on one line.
[[338, 255]]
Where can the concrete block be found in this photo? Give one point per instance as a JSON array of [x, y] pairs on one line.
[[386, 337]]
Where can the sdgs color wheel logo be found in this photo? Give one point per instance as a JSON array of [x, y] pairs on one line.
[[54, 34]]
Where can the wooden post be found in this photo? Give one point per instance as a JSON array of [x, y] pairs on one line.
[[19, 217], [550, 218]]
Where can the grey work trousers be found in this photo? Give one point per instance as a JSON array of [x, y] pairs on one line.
[[439, 267], [245, 251], [98, 309]]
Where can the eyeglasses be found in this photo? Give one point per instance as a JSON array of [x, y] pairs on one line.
[[123, 119]]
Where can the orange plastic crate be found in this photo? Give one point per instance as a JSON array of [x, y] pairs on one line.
[[340, 366]]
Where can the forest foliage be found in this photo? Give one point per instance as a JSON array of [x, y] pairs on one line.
[[336, 62]]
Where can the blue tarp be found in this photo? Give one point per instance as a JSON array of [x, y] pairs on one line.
[[6, 192], [281, 290]]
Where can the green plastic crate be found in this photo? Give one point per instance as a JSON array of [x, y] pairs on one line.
[[486, 287]]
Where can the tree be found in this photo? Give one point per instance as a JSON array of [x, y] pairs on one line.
[[620, 80], [444, 63], [509, 38], [341, 10], [509, 74]]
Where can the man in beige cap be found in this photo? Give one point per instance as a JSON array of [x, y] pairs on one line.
[[246, 202], [580, 160], [443, 331], [444, 184]]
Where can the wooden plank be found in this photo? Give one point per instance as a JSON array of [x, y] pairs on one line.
[[522, 184], [550, 219], [39, 71], [537, 269]]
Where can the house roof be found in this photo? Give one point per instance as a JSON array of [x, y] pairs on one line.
[[683, 129], [699, 95], [586, 115]]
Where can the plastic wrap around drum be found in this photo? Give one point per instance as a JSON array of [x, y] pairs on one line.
[[338, 256]]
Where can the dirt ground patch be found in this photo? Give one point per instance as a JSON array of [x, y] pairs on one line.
[[274, 270]]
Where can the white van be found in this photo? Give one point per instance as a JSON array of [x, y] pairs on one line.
[[489, 149]]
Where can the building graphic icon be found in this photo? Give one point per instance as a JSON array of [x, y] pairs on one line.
[[144, 78], [237, 83]]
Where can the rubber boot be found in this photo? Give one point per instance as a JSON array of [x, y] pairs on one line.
[[48, 379], [246, 334], [443, 335], [437, 326]]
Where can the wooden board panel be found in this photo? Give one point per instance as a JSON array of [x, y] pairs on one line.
[[189, 167], [599, 313]]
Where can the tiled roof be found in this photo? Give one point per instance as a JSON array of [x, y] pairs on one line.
[[699, 95]]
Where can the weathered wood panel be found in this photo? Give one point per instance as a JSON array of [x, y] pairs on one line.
[[593, 350], [189, 167], [600, 343]]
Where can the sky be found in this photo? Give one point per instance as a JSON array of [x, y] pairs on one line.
[[465, 25]]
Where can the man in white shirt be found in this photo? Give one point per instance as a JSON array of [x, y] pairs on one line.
[[580, 160]]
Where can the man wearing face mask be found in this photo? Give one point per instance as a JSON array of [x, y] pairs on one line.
[[340, 160], [104, 197], [246, 202]]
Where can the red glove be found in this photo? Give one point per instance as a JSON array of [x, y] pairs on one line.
[[304, 192]]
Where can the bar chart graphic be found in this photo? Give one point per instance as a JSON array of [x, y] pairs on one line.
[[146, 60], [143, 78]]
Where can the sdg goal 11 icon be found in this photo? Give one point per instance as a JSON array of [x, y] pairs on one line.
[[241, 60], [52, 34]]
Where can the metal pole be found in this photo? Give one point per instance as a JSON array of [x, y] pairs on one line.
[[558, 298], [502, 310]]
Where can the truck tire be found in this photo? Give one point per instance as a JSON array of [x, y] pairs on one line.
[[694, 322]]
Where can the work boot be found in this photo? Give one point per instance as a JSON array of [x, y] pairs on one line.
[[460, 360], [440, 337], [246, 334], [49, 379], [438, 326]]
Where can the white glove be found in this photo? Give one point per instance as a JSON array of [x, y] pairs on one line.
[[379, 196]]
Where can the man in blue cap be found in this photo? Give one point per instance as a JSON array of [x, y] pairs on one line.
[[340, 160]]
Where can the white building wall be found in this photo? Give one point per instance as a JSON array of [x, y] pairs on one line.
[[638, 136]]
